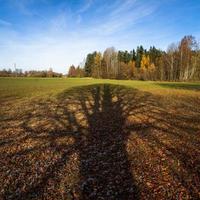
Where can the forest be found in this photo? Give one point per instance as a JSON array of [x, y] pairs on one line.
[[180, 62]]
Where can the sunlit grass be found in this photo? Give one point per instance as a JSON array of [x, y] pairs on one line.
[[11, 88]]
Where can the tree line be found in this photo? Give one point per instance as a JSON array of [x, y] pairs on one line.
[[31, 73], [180, 62]]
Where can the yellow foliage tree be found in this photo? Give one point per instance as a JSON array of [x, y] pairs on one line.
[[145, 63], [132, 69], [147, 69], [151, 71], [97, 65]]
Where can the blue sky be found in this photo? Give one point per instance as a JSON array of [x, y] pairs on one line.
[[38, 34]]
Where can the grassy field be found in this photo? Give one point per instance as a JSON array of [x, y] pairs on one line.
[[99, 139], [31, 87]]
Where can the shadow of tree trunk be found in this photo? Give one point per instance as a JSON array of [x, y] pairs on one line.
[[104, 166]]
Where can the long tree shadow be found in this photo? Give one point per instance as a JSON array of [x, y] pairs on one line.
[[100, 142], [104, 167]]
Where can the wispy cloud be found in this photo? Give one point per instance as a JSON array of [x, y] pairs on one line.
[[5, 23], [120, 16], [87, 4]]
